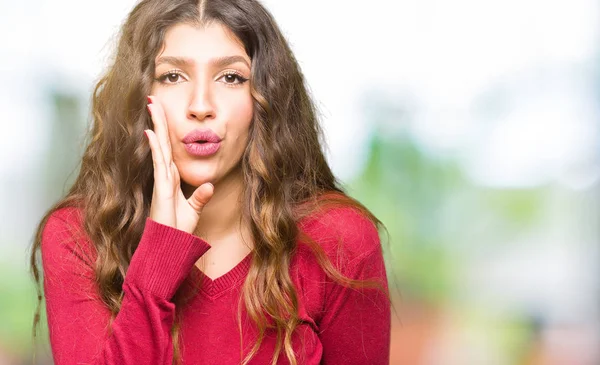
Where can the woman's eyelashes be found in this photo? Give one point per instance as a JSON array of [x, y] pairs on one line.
[[229, 78], [170, 77]]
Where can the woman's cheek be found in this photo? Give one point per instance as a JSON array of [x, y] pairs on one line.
[[172, 102], [245, 110]]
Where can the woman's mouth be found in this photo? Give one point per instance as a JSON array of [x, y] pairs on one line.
[[202, 148], [202, 142]]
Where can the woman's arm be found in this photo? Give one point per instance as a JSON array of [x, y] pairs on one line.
[[79, 322], [356, 325]]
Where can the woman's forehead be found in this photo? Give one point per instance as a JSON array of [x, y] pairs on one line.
[[200, 45]]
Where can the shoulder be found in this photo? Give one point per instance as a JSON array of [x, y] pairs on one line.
[[63, 236], [67, 215], [63, 221], [343, 239], [342, 232]]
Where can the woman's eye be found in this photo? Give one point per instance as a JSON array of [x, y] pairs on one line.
[[233, 79], [170, 78]]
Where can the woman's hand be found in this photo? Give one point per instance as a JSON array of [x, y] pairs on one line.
[[169, 206]]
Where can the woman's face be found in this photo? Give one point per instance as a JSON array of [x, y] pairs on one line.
[[201, 82]]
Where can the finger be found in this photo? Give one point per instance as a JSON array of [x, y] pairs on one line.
[[161, 127], [160, 169], [201, 196]]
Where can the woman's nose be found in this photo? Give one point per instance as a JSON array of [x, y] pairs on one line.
[[201, 104]]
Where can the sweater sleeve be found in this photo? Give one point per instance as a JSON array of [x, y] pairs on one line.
[[79, 322], [356, 326]]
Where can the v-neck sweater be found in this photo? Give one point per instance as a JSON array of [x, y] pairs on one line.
[[339, 325]]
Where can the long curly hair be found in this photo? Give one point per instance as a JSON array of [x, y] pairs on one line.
[[286, 176]]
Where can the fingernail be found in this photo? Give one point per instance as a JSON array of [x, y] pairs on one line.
[[149, 99], [146, 133], [149, 111]]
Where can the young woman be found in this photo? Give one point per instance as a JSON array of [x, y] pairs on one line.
[[205, 226]]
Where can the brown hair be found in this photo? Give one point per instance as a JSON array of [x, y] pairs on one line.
[[285, 173]]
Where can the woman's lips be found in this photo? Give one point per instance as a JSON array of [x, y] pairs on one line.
[[202, 142], [201, 135], [202, 149]]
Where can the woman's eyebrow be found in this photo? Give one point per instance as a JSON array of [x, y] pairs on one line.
[[188, 62]]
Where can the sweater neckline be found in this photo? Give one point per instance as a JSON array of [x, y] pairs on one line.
[[219, 285]]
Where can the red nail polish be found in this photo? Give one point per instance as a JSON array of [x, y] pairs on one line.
[[146, 133], [149, 111], [149, 99]]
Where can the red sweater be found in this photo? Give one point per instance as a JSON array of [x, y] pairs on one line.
[[339, 325]]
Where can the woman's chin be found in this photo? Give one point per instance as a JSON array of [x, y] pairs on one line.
[[195, 175], [196, 181], [192, 178]]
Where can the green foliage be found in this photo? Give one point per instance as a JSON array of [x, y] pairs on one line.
[[434, 213], [17, 306]]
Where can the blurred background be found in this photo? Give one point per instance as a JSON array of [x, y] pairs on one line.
[[469, 127]]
